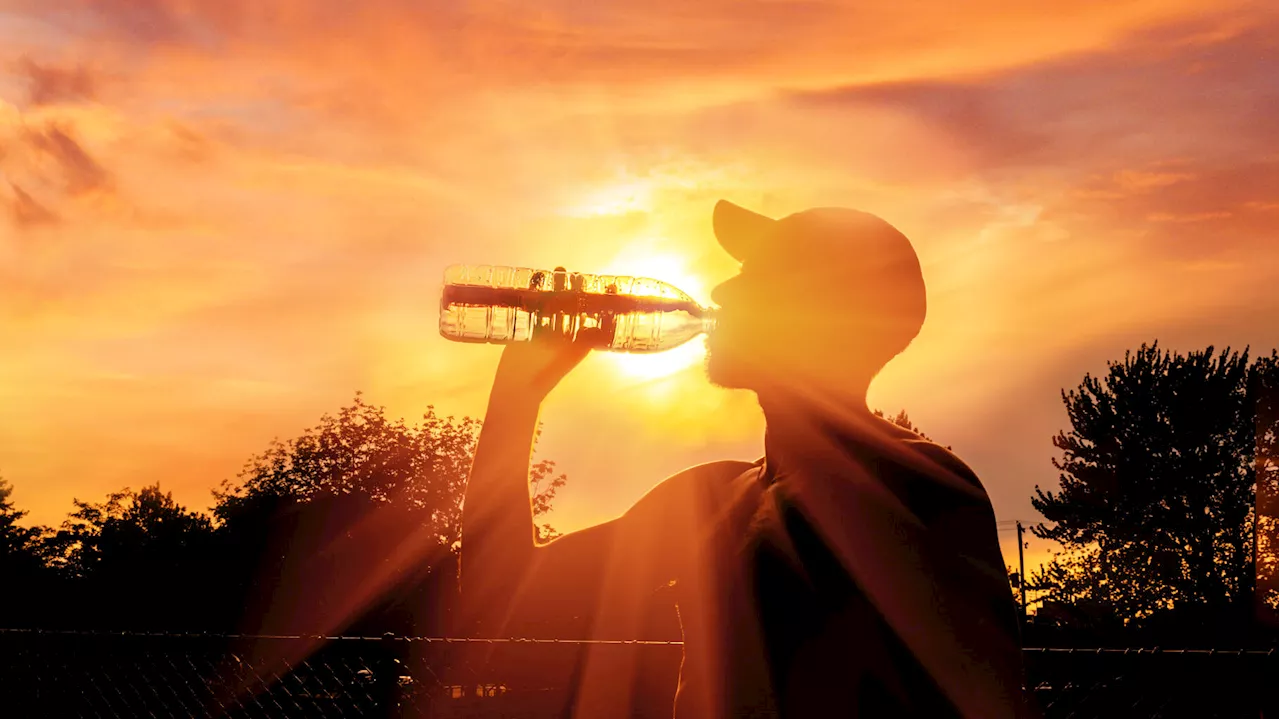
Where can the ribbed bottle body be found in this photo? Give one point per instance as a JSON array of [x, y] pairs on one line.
[[501, 305]]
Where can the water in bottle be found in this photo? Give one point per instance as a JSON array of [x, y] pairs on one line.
[[501, 305]]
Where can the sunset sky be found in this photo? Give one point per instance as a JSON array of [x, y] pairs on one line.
[[219, 219]]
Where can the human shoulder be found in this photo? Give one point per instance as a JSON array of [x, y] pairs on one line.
[[708, 476], [945, 474], [943, 457], [700, 484]]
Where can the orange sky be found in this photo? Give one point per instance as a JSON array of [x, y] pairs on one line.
[[221, 218]]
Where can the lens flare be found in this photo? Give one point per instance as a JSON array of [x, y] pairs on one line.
[[641, 261], [662, 364]]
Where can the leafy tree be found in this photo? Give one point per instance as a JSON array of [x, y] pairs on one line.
[[1267, 471], [129, 530], [902, 420], [361, 452], [1155, 509], [18, 544], [21, 563], [138, 555], [355, 523]]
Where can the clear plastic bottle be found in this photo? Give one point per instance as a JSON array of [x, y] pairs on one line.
[[502, 305]]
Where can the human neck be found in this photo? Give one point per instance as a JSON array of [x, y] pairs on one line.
[[804, 424]]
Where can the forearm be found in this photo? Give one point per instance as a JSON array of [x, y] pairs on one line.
[[497, 519]]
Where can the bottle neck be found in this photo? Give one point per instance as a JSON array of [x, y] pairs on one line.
[[708, 320]]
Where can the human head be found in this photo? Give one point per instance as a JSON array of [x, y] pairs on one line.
[[824, 298]]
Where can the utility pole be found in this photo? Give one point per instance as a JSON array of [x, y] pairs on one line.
[[1022, 573]]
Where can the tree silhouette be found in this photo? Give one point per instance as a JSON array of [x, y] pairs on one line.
[[21, 563], [361, 452], [355, 524], [129, 530], [902, 420], [17, 543], [138, 554], [1267, 471], [1155, 510], [352, 526]]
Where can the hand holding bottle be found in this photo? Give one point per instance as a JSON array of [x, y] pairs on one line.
[[534, 368]]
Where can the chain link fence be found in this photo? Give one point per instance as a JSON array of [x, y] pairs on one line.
[[71, 674]]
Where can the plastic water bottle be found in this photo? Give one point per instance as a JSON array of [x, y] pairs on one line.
[[501, 305]]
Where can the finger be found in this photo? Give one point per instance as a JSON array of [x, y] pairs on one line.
[[593, 337]]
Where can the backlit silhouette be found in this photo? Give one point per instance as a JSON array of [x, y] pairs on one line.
[[853, 571], [1182, 499]]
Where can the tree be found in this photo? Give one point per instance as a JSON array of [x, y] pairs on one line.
[[356, 524], [1155, 508], [126, 531], [902, 420], [17, 543], [21, 565], [361, 452], [1267, 471], [138, 555]]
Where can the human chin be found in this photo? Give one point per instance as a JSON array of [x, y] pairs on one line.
[[724, 370]]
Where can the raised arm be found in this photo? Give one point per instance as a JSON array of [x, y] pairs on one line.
[[498, 535], [508, 581]]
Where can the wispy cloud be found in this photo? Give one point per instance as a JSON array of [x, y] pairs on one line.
[[25, 212], [49, 84], [80, 172]]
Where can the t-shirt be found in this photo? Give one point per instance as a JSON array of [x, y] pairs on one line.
[[863, 581], [858, 577]]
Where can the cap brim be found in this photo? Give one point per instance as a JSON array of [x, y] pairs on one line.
[[739, 230]]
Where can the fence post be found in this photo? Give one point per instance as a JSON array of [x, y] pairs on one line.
[[387, 677]]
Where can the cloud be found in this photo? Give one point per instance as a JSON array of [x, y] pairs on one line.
[[976, 114], [80, 171], [49, 84], [25, 211], [1063, 111], [1179, 205], [397, 58], [1137, 180], [1093, 148]]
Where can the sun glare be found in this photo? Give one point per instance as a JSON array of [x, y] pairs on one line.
[[618, 199], [642, 261], [660, 364]]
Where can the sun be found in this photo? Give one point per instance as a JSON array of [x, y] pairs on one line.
[[640, 261], [660, 364]]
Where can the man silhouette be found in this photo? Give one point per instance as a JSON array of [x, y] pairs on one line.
[[854, 571]]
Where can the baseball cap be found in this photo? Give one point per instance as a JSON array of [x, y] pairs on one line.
[[854, 254]]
